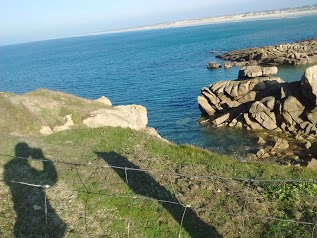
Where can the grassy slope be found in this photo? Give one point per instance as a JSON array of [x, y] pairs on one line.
[[212, 199], [27, 113], [223, 207]]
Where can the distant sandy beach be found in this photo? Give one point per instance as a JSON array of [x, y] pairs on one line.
[[216, 20]]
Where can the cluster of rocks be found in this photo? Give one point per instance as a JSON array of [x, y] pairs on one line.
[[259, 101], [227, 65], [47, 112], [126, 116], [302, 52]]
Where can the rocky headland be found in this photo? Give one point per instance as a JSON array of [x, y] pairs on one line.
[[301, 52], [284, 115], [46, 112]]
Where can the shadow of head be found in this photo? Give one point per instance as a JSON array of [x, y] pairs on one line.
[[22, 150]]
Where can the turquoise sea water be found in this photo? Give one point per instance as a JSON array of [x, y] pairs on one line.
[[163, 70]]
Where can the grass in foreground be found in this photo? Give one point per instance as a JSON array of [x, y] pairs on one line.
[[105, 202]]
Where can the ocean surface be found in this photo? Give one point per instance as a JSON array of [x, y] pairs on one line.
[[163, 70]]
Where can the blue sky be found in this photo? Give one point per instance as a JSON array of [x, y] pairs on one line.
[[31, 20]]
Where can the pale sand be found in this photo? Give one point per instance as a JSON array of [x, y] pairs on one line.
[[216, 20]]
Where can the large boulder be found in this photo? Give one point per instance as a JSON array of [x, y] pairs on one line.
[[256, 71], [250, 123], [245, 90], [291, 111], [205, 107], [263, 115], [309, 84], [250, 72], [131, 116]]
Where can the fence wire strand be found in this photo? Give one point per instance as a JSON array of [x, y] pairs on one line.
[[177, 202], [162, 172]]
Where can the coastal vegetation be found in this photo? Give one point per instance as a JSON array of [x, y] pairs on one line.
[[76, 167], [92, 196]]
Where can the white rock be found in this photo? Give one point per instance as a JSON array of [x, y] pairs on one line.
[[131, 116], [104, 100], [46, 130], [66, 126]]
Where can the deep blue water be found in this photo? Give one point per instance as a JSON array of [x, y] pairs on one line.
[[163, 70]]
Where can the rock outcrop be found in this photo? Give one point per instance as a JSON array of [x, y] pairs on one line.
[[283, 114], [257, 100], [130, 116], [302, 52], [46, 112]]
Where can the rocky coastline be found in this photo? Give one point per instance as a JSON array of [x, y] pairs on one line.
[[301, 52], [46, 112], [284, 115]]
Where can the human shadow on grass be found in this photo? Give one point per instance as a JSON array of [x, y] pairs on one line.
[[144, 184], [30, 201]]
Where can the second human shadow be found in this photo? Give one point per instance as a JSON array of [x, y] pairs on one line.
[[144, 184]]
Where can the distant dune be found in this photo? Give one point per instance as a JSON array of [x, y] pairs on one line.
[[282, 13]]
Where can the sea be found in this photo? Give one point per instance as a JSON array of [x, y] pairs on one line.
[[162, 69]]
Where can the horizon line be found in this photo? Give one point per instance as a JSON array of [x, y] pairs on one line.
[[240, 17]]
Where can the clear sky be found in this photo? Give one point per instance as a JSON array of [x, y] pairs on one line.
[[31, 20]]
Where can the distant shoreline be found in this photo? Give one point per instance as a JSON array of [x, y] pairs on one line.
[[252, 16], [266, 15]]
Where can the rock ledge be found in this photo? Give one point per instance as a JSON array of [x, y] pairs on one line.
[[301, 52], [258, 101]]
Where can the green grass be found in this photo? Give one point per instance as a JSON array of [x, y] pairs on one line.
[[15, 117], [98, 201], [232, 207], [27, 113]]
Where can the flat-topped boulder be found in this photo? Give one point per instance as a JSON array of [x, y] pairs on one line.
[[256, 71]]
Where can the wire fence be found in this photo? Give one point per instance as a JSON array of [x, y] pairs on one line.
[[179, 209]]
